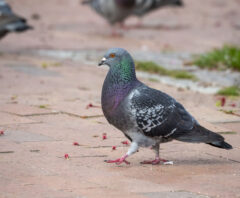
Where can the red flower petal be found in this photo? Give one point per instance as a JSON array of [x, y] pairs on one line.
[[89, 106], [125, 142], [104, 136], [223, 101], [75, 143], [66, 156]]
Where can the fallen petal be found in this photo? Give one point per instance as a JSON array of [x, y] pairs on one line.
[[104, 136], [66, 156], [125, 142], [75, 143]]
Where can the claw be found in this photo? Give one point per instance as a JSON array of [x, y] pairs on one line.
[[119, 161]]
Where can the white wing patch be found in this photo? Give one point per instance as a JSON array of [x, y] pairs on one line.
[[149, 118], [148, 115], [170, 133]]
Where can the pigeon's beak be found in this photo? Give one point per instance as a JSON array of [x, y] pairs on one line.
[[102, 62]]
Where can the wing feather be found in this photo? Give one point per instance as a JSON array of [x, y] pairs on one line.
[[158, 114]]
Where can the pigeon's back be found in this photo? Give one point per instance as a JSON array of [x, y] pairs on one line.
[[113, 10], [145, 6], [157, 114]]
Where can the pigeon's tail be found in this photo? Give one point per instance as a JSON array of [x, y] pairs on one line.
[[18, 26], [24, 28], [157, 3], [179, 3], [223, 145], [200, 134]]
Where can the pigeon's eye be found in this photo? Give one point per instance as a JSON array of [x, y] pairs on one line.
[[112, 55]]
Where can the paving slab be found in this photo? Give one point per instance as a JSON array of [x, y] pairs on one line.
[[33, 148], [174, 195], [213, 116], [30, 69], [39, 139], [22, 136], [7, 119], [24, 110]]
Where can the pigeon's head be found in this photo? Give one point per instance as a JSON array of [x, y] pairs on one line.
[[120, 62], [115, 56]]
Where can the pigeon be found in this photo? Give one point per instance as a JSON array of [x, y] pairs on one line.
[[145, 6], [116, 11], [10, 22], [146, 116]]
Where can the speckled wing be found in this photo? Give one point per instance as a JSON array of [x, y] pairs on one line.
[[145, 6], [110, 10], [142, 7], [158, 114]]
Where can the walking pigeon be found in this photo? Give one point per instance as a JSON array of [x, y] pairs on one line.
[[10, 22], [145, 6], [146, 116], [116, 11]]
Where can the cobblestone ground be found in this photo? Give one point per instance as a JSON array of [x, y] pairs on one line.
[[43, 108]]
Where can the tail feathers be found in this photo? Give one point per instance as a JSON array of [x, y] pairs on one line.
[[179, 3], [18, 27], [200, 134], [223, 145], [157, 4]]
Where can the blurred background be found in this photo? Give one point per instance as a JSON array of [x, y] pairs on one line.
[[169, 37], [196, 27]]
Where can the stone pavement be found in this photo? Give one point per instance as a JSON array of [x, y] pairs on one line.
[[43, 111], [43, 107]]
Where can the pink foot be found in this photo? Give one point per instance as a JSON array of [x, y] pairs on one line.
[[123, 26], [116, 34], [118, 161], [154, 162]]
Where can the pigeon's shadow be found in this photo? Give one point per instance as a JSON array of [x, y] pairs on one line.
[[202, 161]]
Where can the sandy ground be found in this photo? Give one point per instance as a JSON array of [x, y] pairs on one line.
[[43, 111], [43, 108]]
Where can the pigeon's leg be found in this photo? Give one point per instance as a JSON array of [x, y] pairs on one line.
[[139, 24], [133, 149], [123, 26], [157, 159], [115, 31]]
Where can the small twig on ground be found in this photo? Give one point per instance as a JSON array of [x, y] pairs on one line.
[[90, 105]]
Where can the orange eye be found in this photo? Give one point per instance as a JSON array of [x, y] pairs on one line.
[[112, 55]]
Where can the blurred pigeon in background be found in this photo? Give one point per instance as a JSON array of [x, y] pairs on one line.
[[145, 6], [116, 11], [146, 116], [10, 22]]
